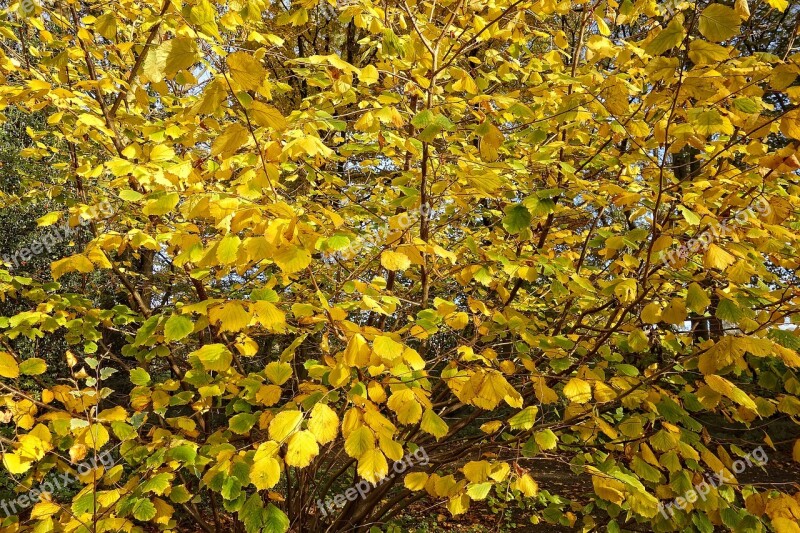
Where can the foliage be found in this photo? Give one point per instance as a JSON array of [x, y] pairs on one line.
[[342, 233]]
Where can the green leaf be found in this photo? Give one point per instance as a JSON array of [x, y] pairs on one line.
[[696, 299], [33, 366], [177, 327], [669, 37], [547, 440], [242, 423], [275, 521], [139, 376], [517, 219], [144, 510], [158, 483], [524, 419], [213, 357]]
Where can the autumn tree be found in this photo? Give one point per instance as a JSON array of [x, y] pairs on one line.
[[322, 237]]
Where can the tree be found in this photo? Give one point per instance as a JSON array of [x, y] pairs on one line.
[[323, 238]]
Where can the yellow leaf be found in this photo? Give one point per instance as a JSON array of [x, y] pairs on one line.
[[323, 423], [277, 372], [246, 70], [94, 436], [228, 249], [292, 259], [161, 205], [458, 320], [231, 317], [229, 141], [477, 471], [302, 449], [213, 357], [716, 257], [369, 75], [578, 391], [8, 366], [284, 424], [387, 348], [458, 504], [14, 463], [266, 470], [75, 263], [726, 388], [433, 424], [415, 481], [675, 313], [526, 485], [267, 116], [651, 313], [395, 260], [359, 441], [372, 465], [719, 22], [404, 403]]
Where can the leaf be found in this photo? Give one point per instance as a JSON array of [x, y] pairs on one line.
[[728, 389], [292, 259], [517, 219], [161, 205], [231, 317], [177, 327], [229, 141], [75, 263], [405, 406], [267, 116], [719, 22], [144, 510], [704, 53], [433, 424], [415, 481], [667, 38], [284, 424], [716, 257], [387, 348], [242, 423], [578, 391], [524, 419], [651, 314], [696, 298], [547, 440], [372, 465], [277, 372], [276, 520], [139, 376], [213, 357], [323, 423], [359, 442], [369, 75], [8, 366], [228, 249], [246, 70], [395, 260], [302, 449], [33, 366], [266, 471]]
